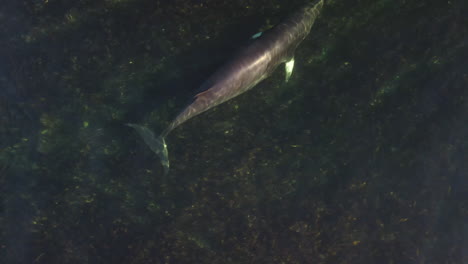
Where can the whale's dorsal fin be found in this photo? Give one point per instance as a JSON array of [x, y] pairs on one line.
[[201, 94]]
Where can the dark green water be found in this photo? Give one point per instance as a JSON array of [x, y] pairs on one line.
[[362, 157]]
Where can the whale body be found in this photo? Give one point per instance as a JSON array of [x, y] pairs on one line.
[[242, 72]]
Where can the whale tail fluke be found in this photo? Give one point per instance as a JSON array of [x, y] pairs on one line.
[[156, 144]]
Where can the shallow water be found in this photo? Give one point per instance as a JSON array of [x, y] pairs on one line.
[[359, 158]]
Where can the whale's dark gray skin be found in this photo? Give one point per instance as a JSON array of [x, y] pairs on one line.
[[250, 66]]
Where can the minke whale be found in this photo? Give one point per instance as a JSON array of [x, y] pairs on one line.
[[246, 69]]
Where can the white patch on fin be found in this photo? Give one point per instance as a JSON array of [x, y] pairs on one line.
[[257, 35], [288, 67]]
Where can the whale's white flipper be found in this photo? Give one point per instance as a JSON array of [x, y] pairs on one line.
[[288, 67]]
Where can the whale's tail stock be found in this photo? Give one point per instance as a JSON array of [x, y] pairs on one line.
[[157, 144]]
